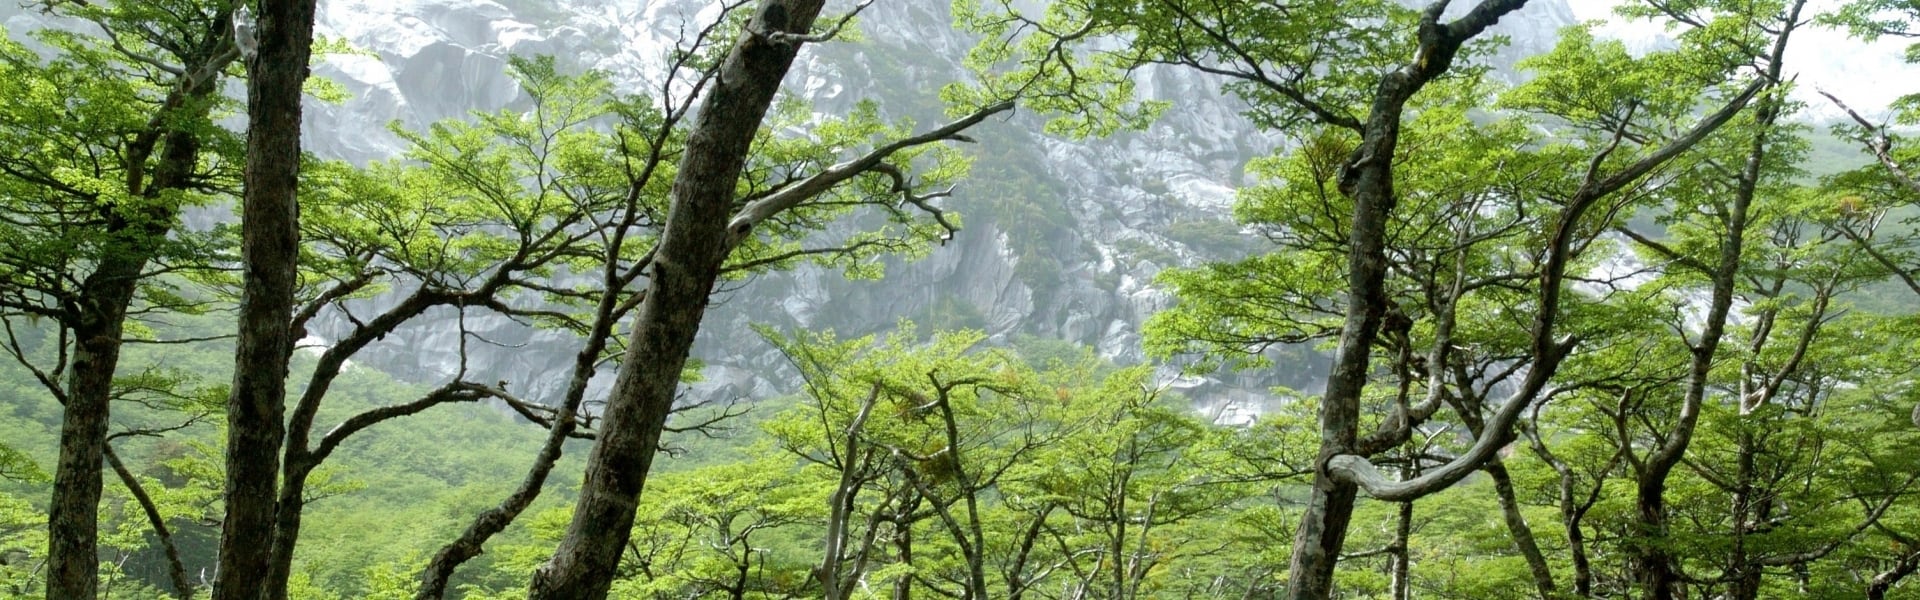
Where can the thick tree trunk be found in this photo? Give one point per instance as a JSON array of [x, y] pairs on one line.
[[73, 518], [271, 243], [73, 531], [691, 253]]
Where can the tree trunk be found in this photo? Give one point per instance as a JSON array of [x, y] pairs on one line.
[[690, 254], [1748, 510], [1367, 178], [433, 579], [73, 518], [106, 293], [1401, 586], [270, 224], [1653, 562], [1878, 586], [289, 510], [176, 570], [1517, 526]]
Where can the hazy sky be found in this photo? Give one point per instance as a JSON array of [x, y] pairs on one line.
[[1867, 76]]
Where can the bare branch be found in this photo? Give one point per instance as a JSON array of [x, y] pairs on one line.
[[811, 187], [1880, 145]]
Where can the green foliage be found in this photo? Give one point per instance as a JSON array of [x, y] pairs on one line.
[[933, 460]]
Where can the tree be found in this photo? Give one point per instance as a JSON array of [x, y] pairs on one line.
[[948, 466], [910, 434], [1654, 565], [1282, 72], [704, 225], [277, 58], [112, 138]]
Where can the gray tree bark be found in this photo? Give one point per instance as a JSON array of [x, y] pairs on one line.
[[1368, 180], [98, 321], [1653, 562], [691, 253], [270, 224]]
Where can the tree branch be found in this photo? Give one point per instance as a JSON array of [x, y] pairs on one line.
[[806, 189]]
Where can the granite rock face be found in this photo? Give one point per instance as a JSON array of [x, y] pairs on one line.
[[1116, 211], [1069, 252]]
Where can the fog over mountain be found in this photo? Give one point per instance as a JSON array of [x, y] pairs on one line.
[[1820, 59]]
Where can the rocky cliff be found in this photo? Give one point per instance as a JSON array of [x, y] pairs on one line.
[[1063, 238]]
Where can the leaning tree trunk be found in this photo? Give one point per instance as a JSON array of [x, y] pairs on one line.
[[1523, 538], [176, 569], [1884, 580], [270, 223], [434, 578], [1517, 527], [690, 255]]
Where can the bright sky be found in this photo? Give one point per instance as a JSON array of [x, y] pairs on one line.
[[1867, 76]]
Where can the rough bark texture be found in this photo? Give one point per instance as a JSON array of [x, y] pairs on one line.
[[271, 242], [1368, 179], [691, 253], [72, 519]]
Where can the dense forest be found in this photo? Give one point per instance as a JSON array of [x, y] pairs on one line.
[[1598, 321]]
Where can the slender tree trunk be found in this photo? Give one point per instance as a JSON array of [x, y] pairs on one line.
[[271, 228], [1522, 533], [1469, 408], [903, 541], [691, 253], [1367, 178], [1746, 509], [840, 503], [289, 511], [1572, 515], [302, 455], [176, 570], [1401, 586], [1653, 562], [433, 580]]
